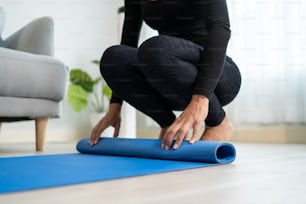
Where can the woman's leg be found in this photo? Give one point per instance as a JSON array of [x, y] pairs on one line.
[[166, 69], [168, 63], [226, 90], [218, 125], [120, 69]]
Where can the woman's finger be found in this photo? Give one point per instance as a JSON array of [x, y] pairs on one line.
[[178, 129], [95, 135], [116, 131], [180, 139], [169, 136], [195, 133]]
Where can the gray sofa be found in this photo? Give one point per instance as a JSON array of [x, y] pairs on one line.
[[32, 81]]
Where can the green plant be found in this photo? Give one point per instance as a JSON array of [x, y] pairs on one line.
[[84, 90]]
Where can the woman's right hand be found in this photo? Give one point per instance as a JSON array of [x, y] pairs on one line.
[[112, 118]]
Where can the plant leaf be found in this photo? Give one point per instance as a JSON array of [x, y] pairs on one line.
[[97, 80], [77, 97], [81, 78], [107, 91]]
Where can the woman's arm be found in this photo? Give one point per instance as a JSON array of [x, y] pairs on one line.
[[211, 64], [130, 31], [215, 13], [132, 23]]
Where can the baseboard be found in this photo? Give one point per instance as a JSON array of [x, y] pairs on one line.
[[251, 134], [271, 134], [254, 134]]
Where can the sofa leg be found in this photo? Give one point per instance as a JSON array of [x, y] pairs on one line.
[[40, 128]]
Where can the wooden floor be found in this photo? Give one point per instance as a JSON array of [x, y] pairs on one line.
[[262, 173]]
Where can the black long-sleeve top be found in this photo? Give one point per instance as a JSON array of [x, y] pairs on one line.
[[204, 22]]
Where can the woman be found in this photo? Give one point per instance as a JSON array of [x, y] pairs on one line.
[[184, 68]]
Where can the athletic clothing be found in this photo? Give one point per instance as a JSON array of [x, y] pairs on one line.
[[158, 77], [204, 22], [187, 58]]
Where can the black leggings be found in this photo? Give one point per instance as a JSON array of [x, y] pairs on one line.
[[158, 77]]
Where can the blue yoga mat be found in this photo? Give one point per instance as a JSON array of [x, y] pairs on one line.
[[200, 151], [111, 158]]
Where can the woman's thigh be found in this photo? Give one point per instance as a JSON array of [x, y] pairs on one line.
[[169, 64]]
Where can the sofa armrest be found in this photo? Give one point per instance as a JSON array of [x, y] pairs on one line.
[[36, 37]]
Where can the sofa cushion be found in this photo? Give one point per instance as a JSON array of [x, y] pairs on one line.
[[31, 76]]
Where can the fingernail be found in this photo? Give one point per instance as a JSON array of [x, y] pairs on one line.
[[162, 146], [175, 146], [166, 147]]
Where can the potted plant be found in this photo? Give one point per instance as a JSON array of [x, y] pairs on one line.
[[84, 91]]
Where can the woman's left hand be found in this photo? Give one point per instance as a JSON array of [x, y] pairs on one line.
[[191, 118]]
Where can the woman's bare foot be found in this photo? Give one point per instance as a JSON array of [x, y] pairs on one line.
[[222, 132]]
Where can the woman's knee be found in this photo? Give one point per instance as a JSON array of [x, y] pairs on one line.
[[110, 55], [153, 50], [110, 59], [229, 83]]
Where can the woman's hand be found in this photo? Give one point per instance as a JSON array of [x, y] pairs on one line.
[[112, 118], [191, 118]]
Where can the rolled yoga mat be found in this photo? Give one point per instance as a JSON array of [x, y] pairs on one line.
[[200, 151], [111, 158]]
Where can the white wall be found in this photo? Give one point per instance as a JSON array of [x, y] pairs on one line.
[[83, 29]]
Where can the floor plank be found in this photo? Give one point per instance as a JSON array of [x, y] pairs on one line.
[[262, 173]]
